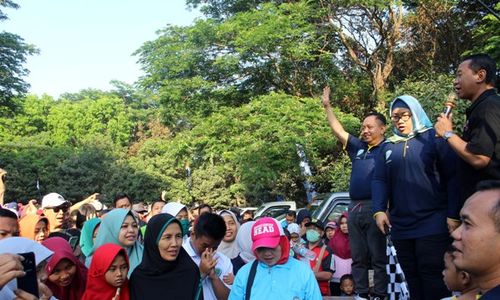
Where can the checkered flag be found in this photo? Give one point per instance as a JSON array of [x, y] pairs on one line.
[[397, 289]]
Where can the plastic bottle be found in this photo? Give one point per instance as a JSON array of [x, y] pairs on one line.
[[304, 252]]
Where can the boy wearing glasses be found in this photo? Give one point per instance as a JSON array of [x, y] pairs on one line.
[[56, 209]]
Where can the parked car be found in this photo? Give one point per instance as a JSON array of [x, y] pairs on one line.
[[332, 206], [247, 209], [274, 209]]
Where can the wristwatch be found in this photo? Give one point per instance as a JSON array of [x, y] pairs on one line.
[[448, 134]]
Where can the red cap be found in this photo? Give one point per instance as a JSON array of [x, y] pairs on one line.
[[266, 233]]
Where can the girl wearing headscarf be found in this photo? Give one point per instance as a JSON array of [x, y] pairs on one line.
[[23, 245], [121, 228], [66, 274], [107, 276], [180, 212], [166, 271], [341, 254], [415, 177], [244, 241], [87, 236], [34, 227], [229, 246]]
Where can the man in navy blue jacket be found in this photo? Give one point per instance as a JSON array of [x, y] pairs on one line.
[[477, 240], [366, 241]]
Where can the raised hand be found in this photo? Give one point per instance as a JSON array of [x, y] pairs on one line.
[[325, 99]]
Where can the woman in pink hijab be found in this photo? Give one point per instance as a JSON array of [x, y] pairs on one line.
[[341, 254]]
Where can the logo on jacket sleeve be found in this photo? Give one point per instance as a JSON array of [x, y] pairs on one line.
[[388, 156], [360, 152]]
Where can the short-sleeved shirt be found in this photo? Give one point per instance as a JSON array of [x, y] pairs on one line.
[[482, 134], [223, 264], [363, 163]]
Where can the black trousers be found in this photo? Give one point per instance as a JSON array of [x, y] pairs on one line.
[[422, 262], [368, 248]]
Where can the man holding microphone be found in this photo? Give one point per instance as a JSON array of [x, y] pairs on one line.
[[479, 146]]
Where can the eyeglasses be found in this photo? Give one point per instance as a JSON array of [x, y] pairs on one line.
[[63, 208], [404, 116]]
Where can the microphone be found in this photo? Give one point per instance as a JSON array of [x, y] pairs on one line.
[[449, 104]]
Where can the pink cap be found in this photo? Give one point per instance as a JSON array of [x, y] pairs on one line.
[[266, 232]]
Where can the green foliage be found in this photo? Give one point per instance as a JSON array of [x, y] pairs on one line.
[[487, 36], [69, 122], [220, 9], [244, 154], [13, 54], [200, 69]]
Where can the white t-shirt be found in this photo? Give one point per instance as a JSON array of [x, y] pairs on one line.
[[223, 263]]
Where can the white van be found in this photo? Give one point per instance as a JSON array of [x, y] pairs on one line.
[[274, 209]]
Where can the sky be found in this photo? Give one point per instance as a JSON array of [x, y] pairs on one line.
[[87, 43]]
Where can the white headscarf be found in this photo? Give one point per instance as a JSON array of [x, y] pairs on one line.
[[244, 241], [15, 245], [230, 249], [173, 208]]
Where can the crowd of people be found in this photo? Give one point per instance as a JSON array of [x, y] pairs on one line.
[[434, 193]]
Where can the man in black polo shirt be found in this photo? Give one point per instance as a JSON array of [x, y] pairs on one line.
[[479, 147], [366, 241]]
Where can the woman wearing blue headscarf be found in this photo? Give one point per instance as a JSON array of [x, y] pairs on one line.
[[88, 234], [414, 179], [120, 227]]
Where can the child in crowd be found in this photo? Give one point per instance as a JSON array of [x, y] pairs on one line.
[[107, 276], [34, 227], [347, 285], [66, 274], [329, 231], [341, 254], [457, 280], [294, 230]]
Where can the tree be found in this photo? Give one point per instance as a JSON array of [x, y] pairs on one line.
[[13, 54], [486, 37], [222, 9], [370, 32], [239, 156], [197, 70]]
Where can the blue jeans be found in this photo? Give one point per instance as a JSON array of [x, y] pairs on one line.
[[422, 262], [368, 248]]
